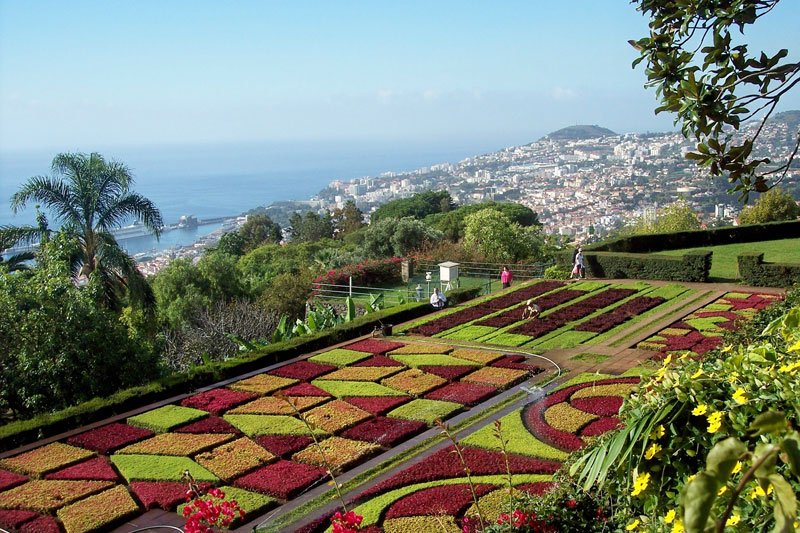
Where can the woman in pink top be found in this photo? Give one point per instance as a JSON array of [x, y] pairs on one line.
[[505, 277]]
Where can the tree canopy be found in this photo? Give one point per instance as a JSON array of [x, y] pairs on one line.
[[397, 237], [418, 206], [501, 240], [771, 206], [452, 222], [311, 227], [678, 216], [713, 84], [347, 220]]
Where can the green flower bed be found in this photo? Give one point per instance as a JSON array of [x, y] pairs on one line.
[[180, 444], [422, 349], [45, 496], [46, 459], [166, 418], [506, 339], [340, 357], [98, 511], [567, 339], [159, 468], [425, 410], [421, 524], [415, 361], [469, 333], [255, 425], [362, 373], [270, 405], [482, 357], [335, 416], [342, 389], [520, 440]]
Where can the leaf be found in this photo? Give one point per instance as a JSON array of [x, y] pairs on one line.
[[697, 498], [769, 422], [785, 504], [351, 309], [722, 458], [791, 447]]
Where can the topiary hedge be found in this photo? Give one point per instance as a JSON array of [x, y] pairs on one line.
[[692, 266], [656, 242], [754, 271], [24, 431]]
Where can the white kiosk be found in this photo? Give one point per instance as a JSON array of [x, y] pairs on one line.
[[448, 272]]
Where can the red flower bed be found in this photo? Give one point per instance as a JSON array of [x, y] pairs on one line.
[[304, 389], [43, 524], [598, 405], [444, 500], [445, 464], [451, 321], [211, 424], [108, 438], [377, 405], [533, 416], [500, 321], [14, 519], [520, 295], [374, 346], [624, 312], [162, 494], [282, 445], [450, 373], [364, 273], [378, 360], [215, 401], [517, 362], [536, 328], [536, 489], [96, 469], [464, 393], [9, 480], [302, 370], [601, 426], [384, 431], [283, 479]]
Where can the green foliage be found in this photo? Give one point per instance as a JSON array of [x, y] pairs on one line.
[[159, 468], [452, 223], [432, 360], [713, 84], [520, 439], [259, 230], [255, 425], [692, 266], [91, 196], [166, 418], [342, 389], [311, 227], [774, 205], [347, 220], [675, 217], [754, 271], [59, 347], [501, 240], [417, 207], [423, 410], [554, 272], [397, 237]]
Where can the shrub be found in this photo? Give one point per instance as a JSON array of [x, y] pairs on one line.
[[754, 271], [554, 272], [365, 273], [692, 266]]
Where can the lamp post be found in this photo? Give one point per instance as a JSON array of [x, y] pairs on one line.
[[428, 279]]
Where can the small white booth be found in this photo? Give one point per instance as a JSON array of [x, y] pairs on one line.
[[448, 275]]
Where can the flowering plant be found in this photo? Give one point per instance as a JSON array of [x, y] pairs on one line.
[[346, 523], [202, 514]]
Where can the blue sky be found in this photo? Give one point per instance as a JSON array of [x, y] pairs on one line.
[[115, 73]]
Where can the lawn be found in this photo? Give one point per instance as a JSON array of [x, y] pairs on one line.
[[723, 262]]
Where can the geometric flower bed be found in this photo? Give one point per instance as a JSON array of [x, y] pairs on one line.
[[702, 330], [360, 400], [433, 494]]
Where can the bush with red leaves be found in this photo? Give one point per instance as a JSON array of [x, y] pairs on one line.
[[384, 431], [283, 479], [216, 401], [108, 438], [302, 370]]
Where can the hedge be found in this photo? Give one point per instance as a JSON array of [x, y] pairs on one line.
[[21, 432], [656, 242], [692, 266], [754, 271]]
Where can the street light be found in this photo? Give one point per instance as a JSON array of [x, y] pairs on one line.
[[428, 279]]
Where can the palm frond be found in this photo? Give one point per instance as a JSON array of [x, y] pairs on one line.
[[53, 193], [114, 260], [11, 236], [132, 205], [17, 261]]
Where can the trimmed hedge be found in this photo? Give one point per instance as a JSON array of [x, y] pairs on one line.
[[657, 242], [47, 424], [754, 271], [692, 266]]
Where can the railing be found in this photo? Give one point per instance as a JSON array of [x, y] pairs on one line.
[[391, 297], [489, 270]]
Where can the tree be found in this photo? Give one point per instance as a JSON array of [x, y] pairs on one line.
[[771, 206], [417, 206], [59, 347], [347, 220], [499, 239], [678, 216], [311, 227], [259, 230], [397, 237], [452, 222], [89, 197], [713, 85]]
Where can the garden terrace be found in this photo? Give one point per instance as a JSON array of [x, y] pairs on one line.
[[373, 405]]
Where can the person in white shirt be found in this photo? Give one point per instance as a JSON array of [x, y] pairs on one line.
[[437, 299]]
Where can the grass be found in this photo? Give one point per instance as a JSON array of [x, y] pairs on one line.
[[590, 357], [724, 266]]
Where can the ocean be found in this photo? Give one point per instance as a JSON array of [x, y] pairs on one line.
[[210, 181]]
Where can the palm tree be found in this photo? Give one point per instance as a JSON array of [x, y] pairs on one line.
[[89, 196]]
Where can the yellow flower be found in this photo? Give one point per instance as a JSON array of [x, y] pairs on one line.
[[740, 396], [640, 484], [727, 348], [633, 525], [700, 409], [690, 478], [697, 374], [722, 490], [756, 492], [658, 432], [733, 520], [652, 451], [670, 516], [667, 359], [737, 468], [677, 527], [715, 421]]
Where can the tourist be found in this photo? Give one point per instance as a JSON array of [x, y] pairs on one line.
[[505, 277], [531, 310], [579, 264], [438, 300]]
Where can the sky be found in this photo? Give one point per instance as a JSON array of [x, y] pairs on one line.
[[118, 73]]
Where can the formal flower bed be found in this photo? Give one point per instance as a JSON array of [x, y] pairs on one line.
[[355, 388], [378, 405], [302, 370], [97, 469], [450, 373], [234, 459], [339, 357], [522, 294], [159, 468], [108, 438], [15, 519], [384, 431], [282, 479], [262, 384], [463, 393], [283, 445], [621, 314], [375, 346], [427, 411], [414, 382], [701, 331], [363, 373], [431, 348], [211, 424], [46, 496], [336, 452], [216, 401], [166, 418], [100, 510], [254, 425], [161, 494], [10, 480], [270, 405], [335, 416], [177, 444], [378, 360], [450, 321], [501, 378], [432, 360], [40, 461]]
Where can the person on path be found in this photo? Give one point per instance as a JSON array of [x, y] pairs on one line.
[[505, 277], [531, 310], [438, 299], [581, 270]]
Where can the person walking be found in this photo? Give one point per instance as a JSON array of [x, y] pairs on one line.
[[505, 277], [579, 264]]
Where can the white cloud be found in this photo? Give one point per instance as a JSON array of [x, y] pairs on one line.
[[563, 93]]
